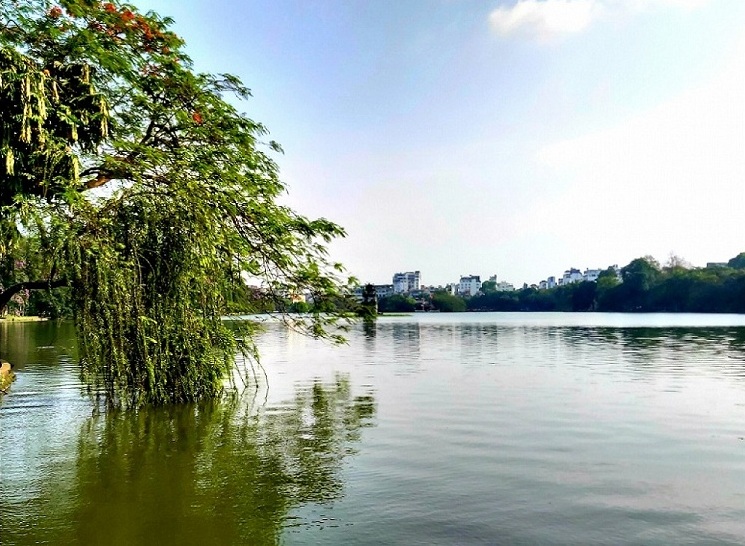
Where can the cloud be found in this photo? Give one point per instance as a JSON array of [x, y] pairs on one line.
[[544, 20]]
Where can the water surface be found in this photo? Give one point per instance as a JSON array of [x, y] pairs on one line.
[[480, 428]]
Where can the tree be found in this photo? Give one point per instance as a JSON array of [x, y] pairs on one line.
[[583, 296], [448, 303], [147, 193], [606, 289], [369, 305], [638, 278], [397, 303], [738, 262], [488, 287]]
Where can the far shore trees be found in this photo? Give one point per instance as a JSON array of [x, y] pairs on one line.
[[135, 182], [644, 286], [738, 262]]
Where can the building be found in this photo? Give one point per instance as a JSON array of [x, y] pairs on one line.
[[571, 276], [504, 286], [548, 284], [591, 275], [381, 291], [469, 285], [384, 290], [439, 288], [403, 283]]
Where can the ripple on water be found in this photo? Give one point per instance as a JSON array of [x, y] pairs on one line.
[[424, 430]]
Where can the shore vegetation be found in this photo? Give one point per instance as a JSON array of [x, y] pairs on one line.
[[139, 199]]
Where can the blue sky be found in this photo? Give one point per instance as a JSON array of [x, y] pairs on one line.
[[516, 138]]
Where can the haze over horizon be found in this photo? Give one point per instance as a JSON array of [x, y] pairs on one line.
[[515, 138]]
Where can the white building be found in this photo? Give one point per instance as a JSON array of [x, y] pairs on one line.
[[381, 291], [469, 285], [571, 276], [591, 275], [500, 286], [449, 288], [404, 283]]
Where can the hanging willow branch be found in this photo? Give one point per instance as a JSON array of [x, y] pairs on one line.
[[99, 94]]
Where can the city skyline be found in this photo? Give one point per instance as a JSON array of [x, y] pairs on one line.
[[490, 276], [518, 137]]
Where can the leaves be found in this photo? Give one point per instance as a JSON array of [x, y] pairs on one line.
[[150, 193]]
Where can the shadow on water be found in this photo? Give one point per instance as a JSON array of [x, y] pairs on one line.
[[213, 473]]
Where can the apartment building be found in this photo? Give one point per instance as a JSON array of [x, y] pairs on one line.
[[469, 285], [403, 283]]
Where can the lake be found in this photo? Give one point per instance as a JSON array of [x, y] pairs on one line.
[[473, 428]]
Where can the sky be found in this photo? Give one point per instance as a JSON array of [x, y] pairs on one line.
[[518, 138]]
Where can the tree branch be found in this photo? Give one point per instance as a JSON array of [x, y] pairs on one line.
[[11, 291]]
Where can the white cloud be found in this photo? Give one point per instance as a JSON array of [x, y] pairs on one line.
[[544, 20]]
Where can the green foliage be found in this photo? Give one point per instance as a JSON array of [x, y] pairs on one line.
[[144, 189], [54, 304], [397, 304], [645, 288], [494, 301], [640, 275], [738, 262], [299, 307], [488, 287], [447, 303], [368, 307], [605, 289]]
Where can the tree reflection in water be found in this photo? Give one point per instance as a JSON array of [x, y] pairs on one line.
[[214, 473]]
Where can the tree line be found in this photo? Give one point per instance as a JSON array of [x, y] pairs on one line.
[[644, 286]]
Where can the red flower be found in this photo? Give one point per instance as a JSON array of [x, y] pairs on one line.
[[128, 15], [108, 6], [197, 117], [55, 12]]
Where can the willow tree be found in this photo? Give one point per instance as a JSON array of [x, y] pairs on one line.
[[147, 193]]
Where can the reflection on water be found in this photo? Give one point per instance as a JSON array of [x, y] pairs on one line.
[[41, 343], [214, 473], [488, 429]]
